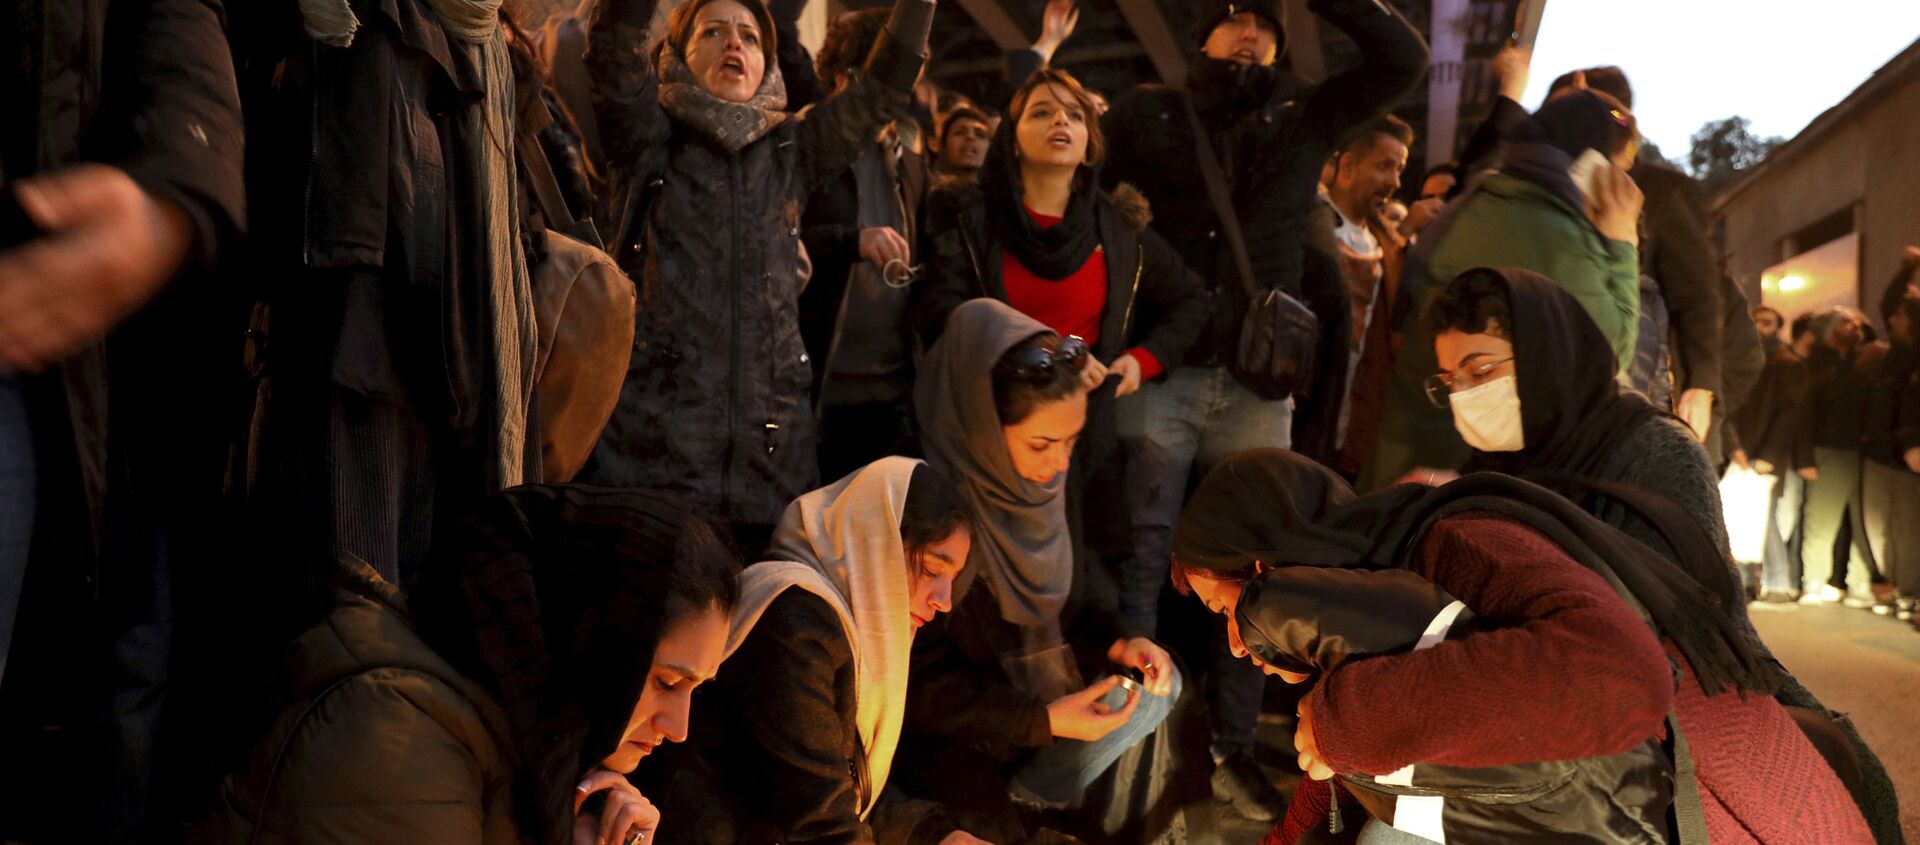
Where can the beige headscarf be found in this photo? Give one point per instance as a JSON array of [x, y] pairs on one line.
[[842, 543]]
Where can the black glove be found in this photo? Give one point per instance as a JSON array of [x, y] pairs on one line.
[[1310, 619]]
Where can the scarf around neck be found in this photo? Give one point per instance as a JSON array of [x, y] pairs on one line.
[[1572, 409], [842, 543], [731, 125], [1051, 252], [1020, 544]]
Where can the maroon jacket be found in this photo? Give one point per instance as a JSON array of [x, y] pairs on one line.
[[1568, 671]]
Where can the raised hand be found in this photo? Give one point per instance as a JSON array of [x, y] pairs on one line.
[[1056, 26]]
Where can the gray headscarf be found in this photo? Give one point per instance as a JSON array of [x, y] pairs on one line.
[[1021, 546]]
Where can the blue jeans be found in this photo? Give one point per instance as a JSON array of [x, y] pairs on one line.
[[18, 498], [1062, 771], [1780, 567], [1172, 430]]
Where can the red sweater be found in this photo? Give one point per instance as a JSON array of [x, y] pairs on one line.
[[1571, 672], [1069, 306]]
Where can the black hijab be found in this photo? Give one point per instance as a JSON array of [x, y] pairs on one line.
[[1051, 252], [1278, 508], [554, 598], [1573, 411]]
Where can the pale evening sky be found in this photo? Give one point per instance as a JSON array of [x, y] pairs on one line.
[[1779, 63]]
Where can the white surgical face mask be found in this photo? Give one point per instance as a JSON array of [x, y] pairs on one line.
[[1488, 416]]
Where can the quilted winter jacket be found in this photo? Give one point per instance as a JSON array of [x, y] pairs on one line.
[[715, 406], [378, 739]]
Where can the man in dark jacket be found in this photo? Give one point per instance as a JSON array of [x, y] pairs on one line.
[[1833, 492], [122, 147], [1271, 133], [860, 232], [1776, 438]]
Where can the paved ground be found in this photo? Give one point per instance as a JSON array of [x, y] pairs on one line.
[[1863, 665], [1868, 667]]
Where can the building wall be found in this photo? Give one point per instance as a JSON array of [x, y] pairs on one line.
[[1871, 161]]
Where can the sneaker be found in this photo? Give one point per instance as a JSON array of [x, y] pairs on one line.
[[1238, 781], [1857, 602], [1823, 594], [1903, 610], [1776, 597]]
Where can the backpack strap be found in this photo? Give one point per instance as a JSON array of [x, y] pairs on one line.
[[1689, 817]]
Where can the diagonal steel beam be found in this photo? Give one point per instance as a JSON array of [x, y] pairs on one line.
[[994, 20], [1150, 28]]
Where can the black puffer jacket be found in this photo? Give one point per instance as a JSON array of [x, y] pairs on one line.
[[715, 405], [1272, 137]]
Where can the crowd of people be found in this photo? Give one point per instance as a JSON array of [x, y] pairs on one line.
[[422, 425]]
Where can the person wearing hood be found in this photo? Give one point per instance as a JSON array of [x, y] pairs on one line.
[[795, 738], [555, 644], [1486, 640], [716, 174], [1015, 711], [1270, 131], [1578, 226], [1525, 376]]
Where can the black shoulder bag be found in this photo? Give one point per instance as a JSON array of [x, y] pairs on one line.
[[1279, 335]]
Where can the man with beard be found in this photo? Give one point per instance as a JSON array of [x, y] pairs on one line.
[[1271, 133], [1371, 254]]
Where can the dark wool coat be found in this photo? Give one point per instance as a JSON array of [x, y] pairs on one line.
[[715, 406]]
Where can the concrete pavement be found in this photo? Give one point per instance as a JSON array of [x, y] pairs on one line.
[[1863, 665]]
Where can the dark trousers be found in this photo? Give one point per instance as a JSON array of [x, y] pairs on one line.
[[1834, 497], [1892, 496]]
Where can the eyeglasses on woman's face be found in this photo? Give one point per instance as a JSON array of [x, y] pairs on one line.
[[1440, 386]]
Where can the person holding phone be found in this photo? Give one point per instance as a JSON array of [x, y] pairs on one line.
[[1532, 214], [1015, 710]]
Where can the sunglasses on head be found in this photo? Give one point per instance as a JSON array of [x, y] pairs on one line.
[[1039, 364]]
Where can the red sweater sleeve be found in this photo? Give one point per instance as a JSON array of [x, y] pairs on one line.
[[1564, 670], [1150, 365]]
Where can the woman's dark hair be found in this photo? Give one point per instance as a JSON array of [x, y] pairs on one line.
[[1474, 303], [705, 574], [1017, 391], [1445, 168], [849, 41], [1800, 326], [1608, 79], [964, 112], [1579, 120], [1066, 89], [680, 26], [934, 510]]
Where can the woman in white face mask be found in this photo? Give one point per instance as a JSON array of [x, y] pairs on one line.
[[1530, 381], [1531, 384]]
